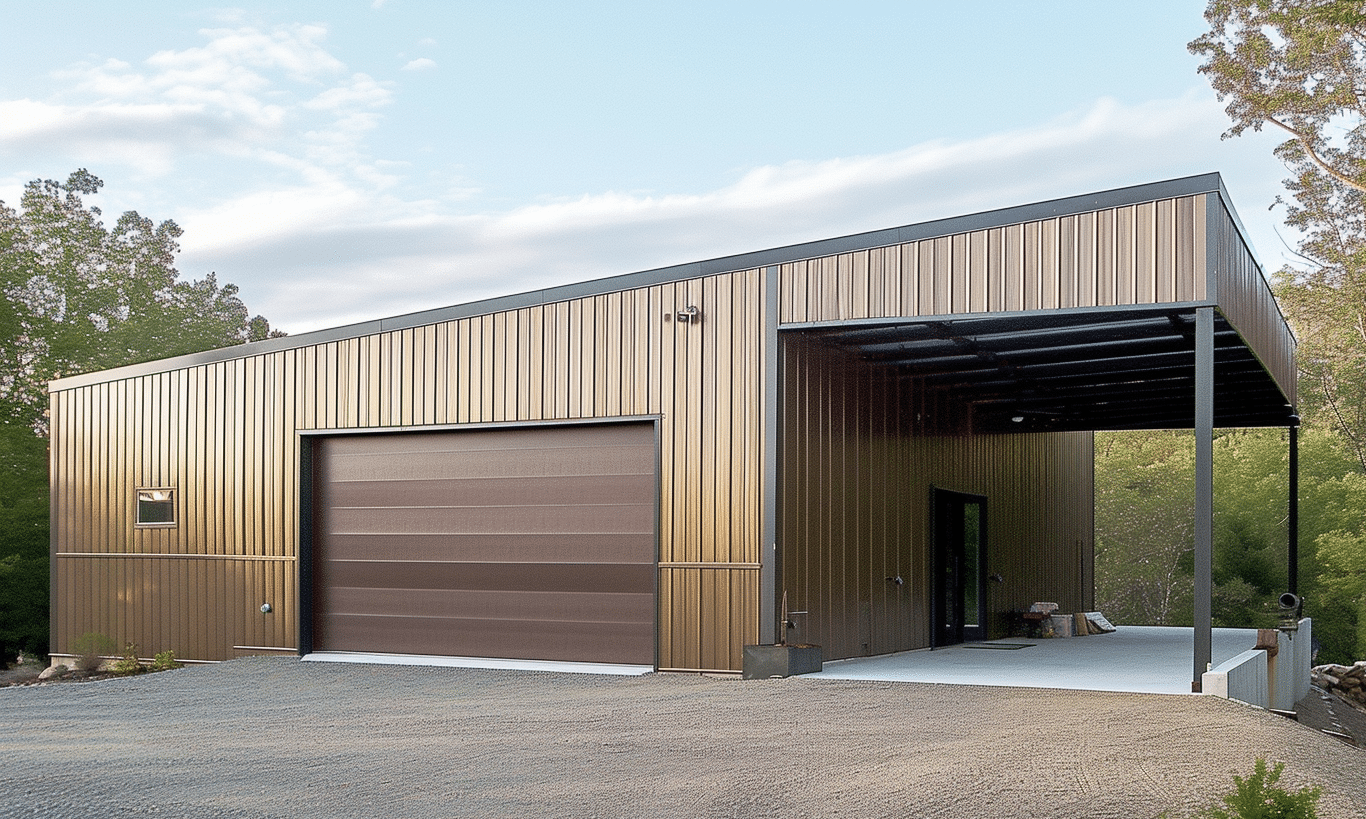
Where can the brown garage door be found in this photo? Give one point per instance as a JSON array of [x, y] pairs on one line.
[[518, 543]]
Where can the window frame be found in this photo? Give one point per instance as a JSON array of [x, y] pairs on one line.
[[170, 501]]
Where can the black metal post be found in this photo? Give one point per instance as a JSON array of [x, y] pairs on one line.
[[1293, 536]]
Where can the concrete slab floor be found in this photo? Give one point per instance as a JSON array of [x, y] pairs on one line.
[[1137, 659]]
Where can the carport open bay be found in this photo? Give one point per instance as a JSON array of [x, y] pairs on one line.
[[277, 737]]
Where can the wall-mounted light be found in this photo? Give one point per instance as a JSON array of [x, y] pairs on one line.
[[1017, 418], [689, 314]]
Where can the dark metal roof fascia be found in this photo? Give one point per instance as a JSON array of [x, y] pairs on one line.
[[1068, 206], [1039, 313]]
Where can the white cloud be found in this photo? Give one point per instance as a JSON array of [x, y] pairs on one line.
[[329, 253], [312, 229], [420, 64], [265, 100]]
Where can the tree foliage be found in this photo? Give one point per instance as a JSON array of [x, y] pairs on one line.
[[23, 539], [1144, 527], [80, 296], [1300, 65], [1144, 484]]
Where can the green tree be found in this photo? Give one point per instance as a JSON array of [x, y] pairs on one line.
[[1145, 534], [23, 540], [81, 297], [1144, 510], [1300, 65], [78, 297]]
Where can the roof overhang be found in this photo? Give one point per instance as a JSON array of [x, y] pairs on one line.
[[1053, 371]]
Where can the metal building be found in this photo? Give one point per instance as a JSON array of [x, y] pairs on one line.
[[891, 430]]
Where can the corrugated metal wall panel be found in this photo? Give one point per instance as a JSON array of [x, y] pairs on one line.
[[199, 607], [1135, 254], [856, 482], [1247, 302], [225, 435]]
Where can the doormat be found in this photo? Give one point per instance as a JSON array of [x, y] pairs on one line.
[[999, 646]]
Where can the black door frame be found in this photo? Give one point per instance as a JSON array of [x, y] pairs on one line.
[[947, 536]]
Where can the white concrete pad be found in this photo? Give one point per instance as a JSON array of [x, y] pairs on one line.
[[476, 662], [1138, 659]]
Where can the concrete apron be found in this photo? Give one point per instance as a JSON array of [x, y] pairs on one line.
[[1135, 659]]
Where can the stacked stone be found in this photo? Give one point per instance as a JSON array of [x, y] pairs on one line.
[[1347, 681]]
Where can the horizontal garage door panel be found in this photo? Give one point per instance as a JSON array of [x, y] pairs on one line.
[[480, 604], [533, 543], [507, 548], [605, 578], [516, 463], [617, 518], [568, 642], [546, 491]]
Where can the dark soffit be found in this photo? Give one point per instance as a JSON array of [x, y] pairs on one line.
[[1124, 368]]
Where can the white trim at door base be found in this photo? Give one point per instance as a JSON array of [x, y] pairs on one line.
[[476, 662]]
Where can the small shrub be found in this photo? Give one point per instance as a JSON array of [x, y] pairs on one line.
[[128, 664], [165, 661], [90, 649], [1259, 797]]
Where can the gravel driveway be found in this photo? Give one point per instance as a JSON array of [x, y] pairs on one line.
[[279, 738]]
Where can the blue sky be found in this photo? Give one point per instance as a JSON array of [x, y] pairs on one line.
[[343, 161]]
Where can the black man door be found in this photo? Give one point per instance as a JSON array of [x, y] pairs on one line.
[[960, 526]]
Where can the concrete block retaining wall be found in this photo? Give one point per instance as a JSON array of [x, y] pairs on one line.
[[1266, 679]]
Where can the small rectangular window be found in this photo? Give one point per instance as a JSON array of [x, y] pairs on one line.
[[156, 507]]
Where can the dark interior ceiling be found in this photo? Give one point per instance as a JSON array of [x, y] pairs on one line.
[[1129, 369]]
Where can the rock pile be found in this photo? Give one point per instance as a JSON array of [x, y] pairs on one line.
[[1347, 681]]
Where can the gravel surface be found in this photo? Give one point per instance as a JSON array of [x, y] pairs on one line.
[[275, 737]]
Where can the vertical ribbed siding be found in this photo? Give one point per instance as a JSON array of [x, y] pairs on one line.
[[1246, 301], [1135, 254], [855, 489], [225, 436]]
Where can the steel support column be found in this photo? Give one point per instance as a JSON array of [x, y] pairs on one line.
[[1204, 490], [769, 558]]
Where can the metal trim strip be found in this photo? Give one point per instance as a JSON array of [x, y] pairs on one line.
[[1102, 310], [180, 555], [697, 564], [482, 425]]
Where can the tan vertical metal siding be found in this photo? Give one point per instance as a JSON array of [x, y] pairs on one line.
[[856, 481], [225, 436], [1135, 254]]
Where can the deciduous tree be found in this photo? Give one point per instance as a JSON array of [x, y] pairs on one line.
[[79, 296], [1300, 66]]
